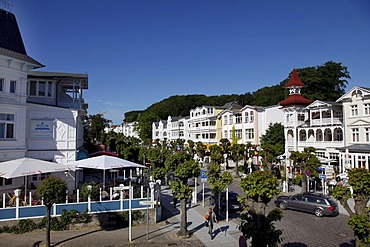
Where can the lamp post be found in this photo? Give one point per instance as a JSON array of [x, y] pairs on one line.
[[17, 193], [151, 186], [89, 188]]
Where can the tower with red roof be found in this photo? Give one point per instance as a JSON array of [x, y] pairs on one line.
[[294, 109]]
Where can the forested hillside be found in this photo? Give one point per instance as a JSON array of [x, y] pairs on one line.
[[325, 82]]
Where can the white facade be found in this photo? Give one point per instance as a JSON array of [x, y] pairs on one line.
[[249, 123], [41, 113], [356, 114]]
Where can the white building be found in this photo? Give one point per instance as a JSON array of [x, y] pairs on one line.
[[339, 131], [356, 119], [249, 123], [41, 113]]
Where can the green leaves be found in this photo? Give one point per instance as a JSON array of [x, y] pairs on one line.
[[360, 224], [260, 184], [52, 189]]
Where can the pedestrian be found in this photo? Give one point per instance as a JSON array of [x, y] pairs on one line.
[[211, 220]]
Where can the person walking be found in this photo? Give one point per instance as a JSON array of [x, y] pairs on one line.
[[212, 219]]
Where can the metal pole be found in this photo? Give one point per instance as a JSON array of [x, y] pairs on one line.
[[147, 217], [195, 191], [203, 195], [227, 203], [129, 212], [4, 198]]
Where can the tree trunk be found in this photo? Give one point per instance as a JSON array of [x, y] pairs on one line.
[[48, 209], [216, 209], [237, 168], [345, 205], [183, 232], [360, 205], [304, 182]]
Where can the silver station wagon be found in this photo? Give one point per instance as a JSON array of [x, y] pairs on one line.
[[316, 203]]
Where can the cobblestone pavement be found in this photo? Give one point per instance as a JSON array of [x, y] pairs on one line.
[[302, 229]]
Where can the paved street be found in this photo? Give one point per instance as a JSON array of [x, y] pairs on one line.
[[299, 229], [302, 229]]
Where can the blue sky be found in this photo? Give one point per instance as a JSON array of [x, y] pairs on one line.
[[139, 52]]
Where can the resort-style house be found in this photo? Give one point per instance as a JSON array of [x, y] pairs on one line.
[[41, 113], [339, 131]]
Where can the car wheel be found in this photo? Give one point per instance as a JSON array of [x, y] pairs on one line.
[[318, 212], [283, 205]]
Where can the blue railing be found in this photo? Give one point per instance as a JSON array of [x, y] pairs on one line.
[[39, 211]]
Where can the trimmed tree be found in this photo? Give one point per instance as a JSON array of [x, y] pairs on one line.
[[260, 187], [305, 161], [184, 167], [52, 190], [237, 153], [217, 179], [359, 221]]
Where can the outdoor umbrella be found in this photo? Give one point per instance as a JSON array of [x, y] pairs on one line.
[[28, 166], [106, 162]]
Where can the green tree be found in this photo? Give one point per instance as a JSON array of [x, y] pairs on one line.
[[225, 145], [52, 190], [273, 140], [304, 161], [359, 180], [94, 192], [217, 179], [144, 126], [237, 153], [184, 167], [95, 129], [260, 187], [325, 82]]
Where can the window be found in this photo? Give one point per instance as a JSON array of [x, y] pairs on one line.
[[238, 133], [355, 135], [238, 118], [367, 135], [249, 134], [41, 88], [366, 106], [225, 120], [354, 110], [251, 116], [212, 135], [12, 86], [225, 134], [6, 126], [1, 84], [230, 119], [246, 117]]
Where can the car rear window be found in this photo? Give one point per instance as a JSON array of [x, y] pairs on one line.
[[332, 202]]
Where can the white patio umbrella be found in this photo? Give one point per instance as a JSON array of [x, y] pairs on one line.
[[106, 162], [24, 167], [29, 166]]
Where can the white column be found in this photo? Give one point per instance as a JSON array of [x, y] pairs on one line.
[[78, 195], [131, 191]]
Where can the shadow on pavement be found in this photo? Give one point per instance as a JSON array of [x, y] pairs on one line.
[[294, 245], [74, 237], [348, 245]]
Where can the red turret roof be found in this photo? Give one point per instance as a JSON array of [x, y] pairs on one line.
[[294, 80], [295, 100]]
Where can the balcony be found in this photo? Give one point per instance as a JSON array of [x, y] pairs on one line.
[[321, 144], [326, 121]]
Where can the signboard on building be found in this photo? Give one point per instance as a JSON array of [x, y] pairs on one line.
[[41, 128]]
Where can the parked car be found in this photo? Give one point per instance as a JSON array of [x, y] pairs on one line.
[[234, 205], [316, 203]]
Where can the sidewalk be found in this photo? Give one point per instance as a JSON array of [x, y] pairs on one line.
[[226, 233]]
